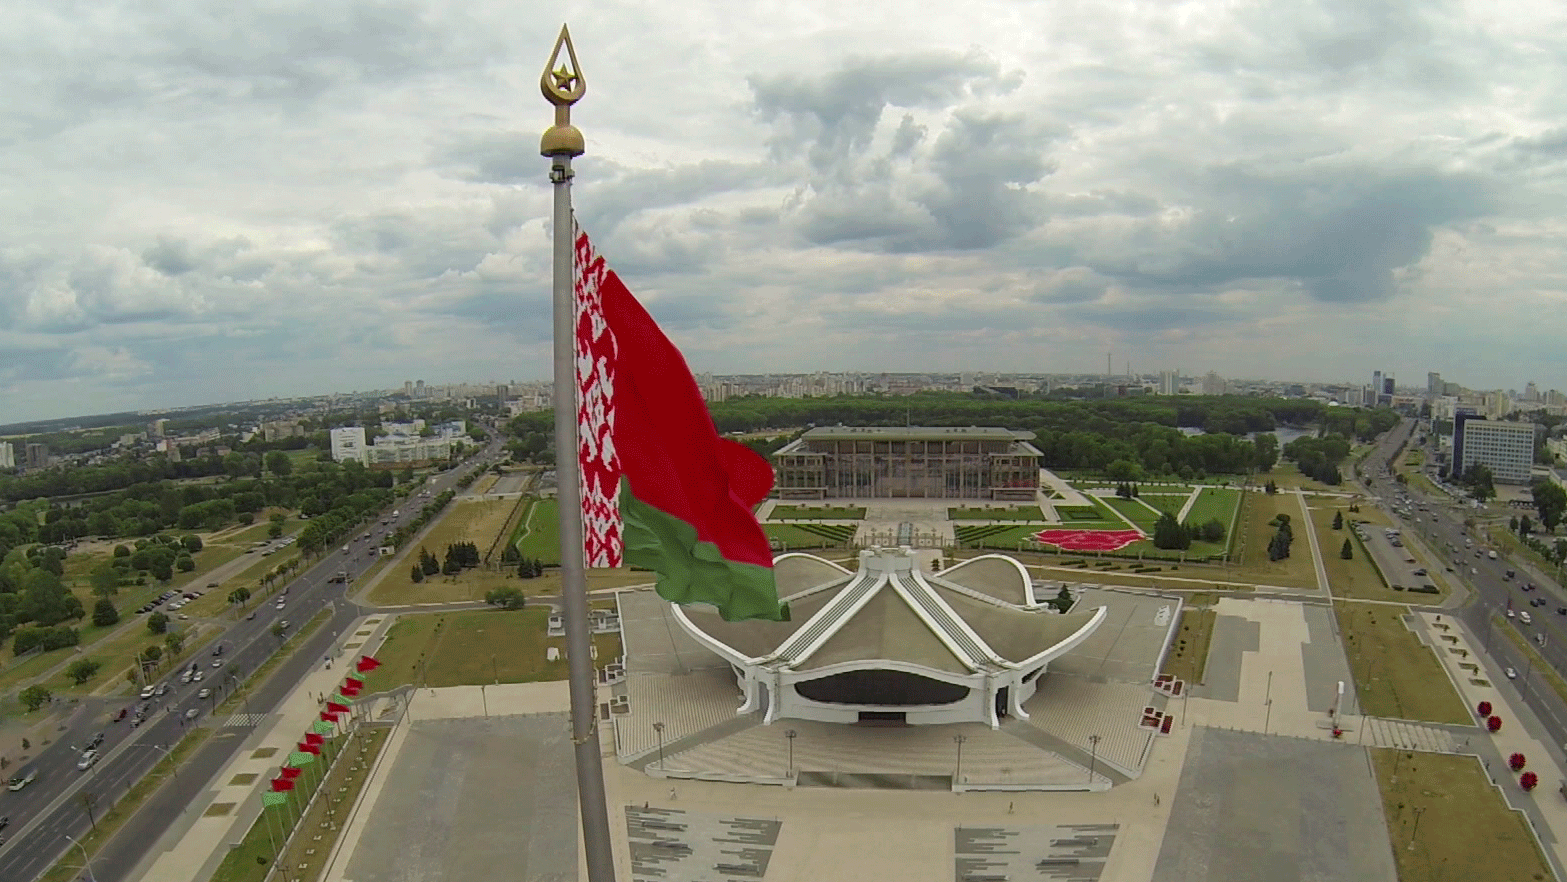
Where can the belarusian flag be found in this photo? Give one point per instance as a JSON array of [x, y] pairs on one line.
[[298, 759], [660, 488], [321, 727], [274, 798]]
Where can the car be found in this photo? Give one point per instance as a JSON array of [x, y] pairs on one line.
[[185, 677], [251, 616], [88, 760], [148, 691], [283, 624], [217, 663], [217, 650], [21, 781], [1512, 674], [5, 821], [121, 715], [1420, 572], [96, 740], [1510, 614], [205, 692], [196, 677], [193, 713]]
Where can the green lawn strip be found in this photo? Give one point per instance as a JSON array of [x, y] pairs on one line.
[[259, 532], [1169, 502], [1538, 664], [474, 647], [1188, 658], [1359, 576], [1136, 512], [790, 537], [1466, 830], [1000, 513], [1395, 674], [540, 533], [252, 858], [1002, 536], [1215, 504], [817, 513], [69, 868]]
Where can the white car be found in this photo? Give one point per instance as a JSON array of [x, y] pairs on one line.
[[205, 692], [88, 760], [197, 676], [148, 691], [185, 677], [1512, 674], [21, 781]]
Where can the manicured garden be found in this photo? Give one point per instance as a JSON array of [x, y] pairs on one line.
[[816, 513]]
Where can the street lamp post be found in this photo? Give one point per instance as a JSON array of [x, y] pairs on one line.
[[86, 858], [958, 774], [658, 729], [791, 735], [174, 767], [1419, 810], [1093, 756]]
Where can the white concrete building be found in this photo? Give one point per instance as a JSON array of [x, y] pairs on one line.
[[7, 455], [892, 644], [1507, 449], [348, 443]]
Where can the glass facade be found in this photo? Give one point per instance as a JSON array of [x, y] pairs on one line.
[[889, 467]]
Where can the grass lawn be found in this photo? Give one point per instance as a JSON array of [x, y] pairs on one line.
[[1136, 512], [473, 647], [1169, 502], [816, 513], [999, 513], [793, 538], [1359, 576], [1466, 829], [470, 586], [1188, 656], [1254, 531], [1215, 503], [252, 858], [1395, 674], [538, 534], [259, 532]]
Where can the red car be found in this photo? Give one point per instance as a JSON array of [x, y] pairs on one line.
[[121, 715]]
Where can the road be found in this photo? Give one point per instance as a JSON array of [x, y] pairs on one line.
[[52, 807], [1439, 523]]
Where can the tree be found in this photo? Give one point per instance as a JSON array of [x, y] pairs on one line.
[[428, 563], [175, 641], [416, 573], [274, 530], [82, 670], [1170, 533], [279, 463], [1550, 502], [104, 614], [152, 654], [35, 697], [158, 623], [1265, 450], [506, 597], [105, 580], [238, 596], [1512, 523], [192, 542], [185, 563], [1347, 552], [162, 570], [1525, 526], [1478, 479], [1063, 599], [1270, 488], [1213, 531], [122, 551], [1338, 520]]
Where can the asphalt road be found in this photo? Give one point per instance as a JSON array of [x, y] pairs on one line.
[[1441, 527], [54, 807]]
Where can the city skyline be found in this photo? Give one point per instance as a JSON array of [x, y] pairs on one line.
[[237, 205]]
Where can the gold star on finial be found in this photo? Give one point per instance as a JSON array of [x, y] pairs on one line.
[[562, 81], [564, 78]]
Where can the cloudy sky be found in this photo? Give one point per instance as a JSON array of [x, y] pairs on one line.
[[205, 202]]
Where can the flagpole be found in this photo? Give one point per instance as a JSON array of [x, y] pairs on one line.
[[563, 86]]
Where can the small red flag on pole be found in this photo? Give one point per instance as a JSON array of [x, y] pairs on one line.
[[366, 664]]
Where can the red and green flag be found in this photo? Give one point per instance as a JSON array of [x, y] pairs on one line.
[[272, 798], [660, 488]]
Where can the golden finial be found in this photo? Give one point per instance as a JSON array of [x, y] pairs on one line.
[[563, 86]]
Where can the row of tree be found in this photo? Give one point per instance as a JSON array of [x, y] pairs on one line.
[[1172, 534], [1283, 537]]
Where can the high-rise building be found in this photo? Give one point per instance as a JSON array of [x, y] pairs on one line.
[[1376, 386], [7, 455], [419, 389], [1531, 392], [408, 388], [348, 442], [1433, 384], [37, 455], [1506, 448], [1213, 384], [1169, 382]]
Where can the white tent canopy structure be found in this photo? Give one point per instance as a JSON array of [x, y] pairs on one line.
[[890, 643]]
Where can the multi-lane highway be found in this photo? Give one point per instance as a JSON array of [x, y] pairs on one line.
[[1439, 522], [57, 803]]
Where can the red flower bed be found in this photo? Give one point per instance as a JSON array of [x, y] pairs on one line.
[[1516, 762], [1088, 540], [1484, 708], [1528, 781], [1494, 723]]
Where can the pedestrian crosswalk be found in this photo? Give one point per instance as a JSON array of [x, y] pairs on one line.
[[243, 721]]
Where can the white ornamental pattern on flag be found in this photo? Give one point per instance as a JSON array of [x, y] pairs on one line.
[[596, 457]]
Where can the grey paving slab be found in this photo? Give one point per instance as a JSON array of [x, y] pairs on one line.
[[472, 796], [1324, 663], [669, 845], [1253, 807], [1067, 852], [1232, 636], [1126, 647]]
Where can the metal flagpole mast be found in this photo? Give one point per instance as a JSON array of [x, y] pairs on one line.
[[563, 86]]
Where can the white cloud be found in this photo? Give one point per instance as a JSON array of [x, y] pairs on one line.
[[201, 203]]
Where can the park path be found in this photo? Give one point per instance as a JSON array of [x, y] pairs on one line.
[[1316, 550]]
